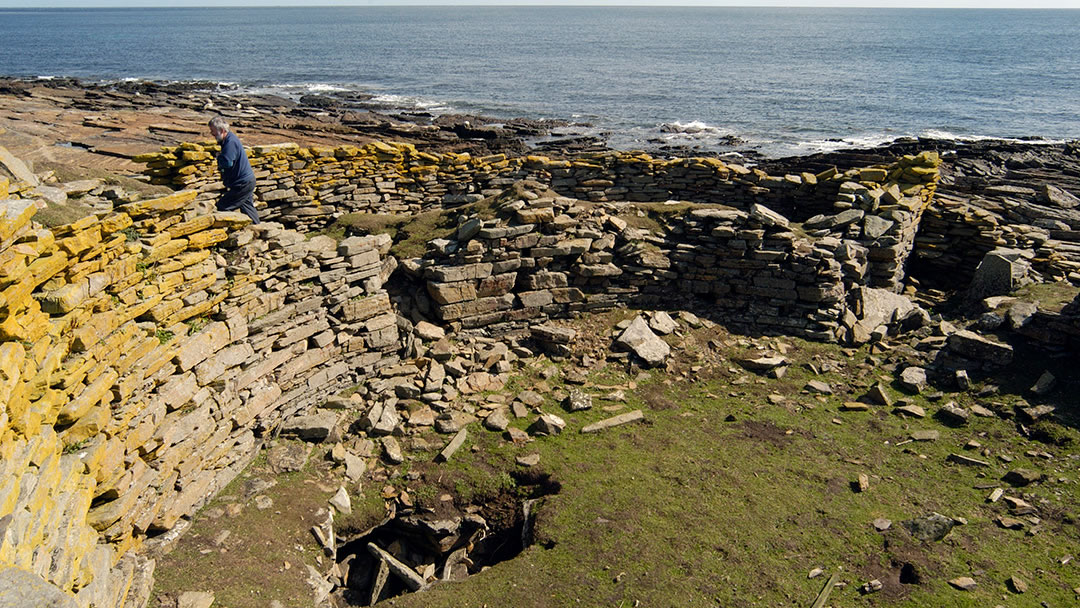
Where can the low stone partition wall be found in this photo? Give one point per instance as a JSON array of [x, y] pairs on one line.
[[745, 269], [308, 188], [142, 356]]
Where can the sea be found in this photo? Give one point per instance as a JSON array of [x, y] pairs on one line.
[[784, 81]]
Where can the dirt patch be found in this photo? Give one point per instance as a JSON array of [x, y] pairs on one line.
[[654, 397], [901, 567], [252, 544], [765, 431]]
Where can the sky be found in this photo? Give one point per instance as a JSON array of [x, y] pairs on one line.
[[1071, 4]]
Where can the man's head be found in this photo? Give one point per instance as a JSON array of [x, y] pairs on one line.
[[219, 128]]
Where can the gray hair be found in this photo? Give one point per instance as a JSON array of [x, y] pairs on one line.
[[219, 123]]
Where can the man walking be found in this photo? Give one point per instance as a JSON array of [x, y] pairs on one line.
[[236, 172]]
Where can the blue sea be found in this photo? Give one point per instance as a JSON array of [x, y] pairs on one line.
[[784, 80]]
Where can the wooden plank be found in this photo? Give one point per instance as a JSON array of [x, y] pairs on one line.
[[410, 577]]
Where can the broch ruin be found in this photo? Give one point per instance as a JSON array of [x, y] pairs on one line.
[[149, 349]]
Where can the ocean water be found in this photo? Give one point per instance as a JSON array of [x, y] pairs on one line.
[[783, 80]]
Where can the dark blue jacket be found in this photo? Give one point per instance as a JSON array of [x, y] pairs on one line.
[[233, 162]]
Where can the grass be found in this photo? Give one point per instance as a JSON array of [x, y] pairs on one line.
[[74, 209], [653, 216], [69, 173], [722, 498], [53, 215], [411, 233], [1052, 297]]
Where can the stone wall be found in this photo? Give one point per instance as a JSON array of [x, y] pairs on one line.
[[308, 187], [546, 256], [142, 356], [957, 232]]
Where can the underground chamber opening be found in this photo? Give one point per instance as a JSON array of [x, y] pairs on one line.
[[417, 547], [909, 574]]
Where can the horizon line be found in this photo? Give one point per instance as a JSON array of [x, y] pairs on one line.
[[1018, 5]]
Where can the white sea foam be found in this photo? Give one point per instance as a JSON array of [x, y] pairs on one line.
[[305, 87], [942, 134], [319, 87], [412, 102], [694, 128]]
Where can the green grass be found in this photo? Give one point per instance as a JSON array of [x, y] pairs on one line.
[[692, 509], [1052, 297], [266, 553], [68, 173], [412, 232]]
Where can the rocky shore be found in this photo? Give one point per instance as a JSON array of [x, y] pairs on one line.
[[122, 119], [105, 125]]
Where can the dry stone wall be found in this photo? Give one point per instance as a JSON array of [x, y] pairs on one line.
[[548, 256], [143, 354], [956, 233], [309, 187], [744, 269]]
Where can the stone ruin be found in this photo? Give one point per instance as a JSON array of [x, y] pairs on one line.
[[147, 351]]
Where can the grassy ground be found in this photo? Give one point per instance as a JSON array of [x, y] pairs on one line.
[[723, 498], [730, 492], [74, 209]]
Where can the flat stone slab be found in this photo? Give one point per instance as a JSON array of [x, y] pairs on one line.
[[578, 400], [762, 364], [970, 344], [932, 526], [288, 457], [22, 589], [662, 323], [429, 332], [963, 583], [966, 460], [553, 333], [914, 379], [1022, 477], [607, 423], [315, 427], [547, 424]]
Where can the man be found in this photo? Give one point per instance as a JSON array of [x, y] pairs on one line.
[[236, 172]]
